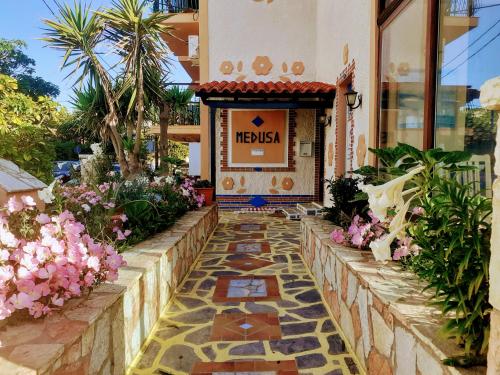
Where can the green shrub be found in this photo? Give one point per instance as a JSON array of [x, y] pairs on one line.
[[150, 209], [454, 234], [345, 201]]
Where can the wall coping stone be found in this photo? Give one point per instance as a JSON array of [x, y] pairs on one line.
[[399, 292], [45, 345]]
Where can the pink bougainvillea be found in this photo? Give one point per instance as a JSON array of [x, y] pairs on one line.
[[48, 259], [360, 233]]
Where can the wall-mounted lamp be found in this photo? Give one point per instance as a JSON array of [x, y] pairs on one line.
[[350, 97]]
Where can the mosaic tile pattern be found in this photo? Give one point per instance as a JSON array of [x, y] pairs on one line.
[[301, 336]]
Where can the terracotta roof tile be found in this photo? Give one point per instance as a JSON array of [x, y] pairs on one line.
[[233, 87]]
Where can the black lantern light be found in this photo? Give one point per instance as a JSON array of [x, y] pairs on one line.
[[350, 97]]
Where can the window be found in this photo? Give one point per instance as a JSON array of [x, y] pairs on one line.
[[402, 76], [468, 55]]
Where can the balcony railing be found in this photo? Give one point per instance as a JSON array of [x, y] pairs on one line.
[[190, 115], [175, 6], [463, 8]]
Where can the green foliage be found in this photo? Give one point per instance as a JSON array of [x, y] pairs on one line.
[[454, 236], [178, 150], [27, 146], [149, 209], [345, 202], [26, 125], [14, 62]]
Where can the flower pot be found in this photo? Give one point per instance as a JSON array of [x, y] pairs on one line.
[[208, 193]]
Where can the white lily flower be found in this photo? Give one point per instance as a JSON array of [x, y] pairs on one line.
[[46, 194], [398, 220], [381, 248], [390, 194]]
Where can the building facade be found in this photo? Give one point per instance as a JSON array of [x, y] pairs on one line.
[[417, 65]]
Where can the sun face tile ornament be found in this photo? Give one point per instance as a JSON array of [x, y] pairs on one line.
[[226, 67], [262, 65]]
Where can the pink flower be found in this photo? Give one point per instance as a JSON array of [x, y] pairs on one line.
[[418, 211], [14, 205], [93, 262], [357, 239], [123, 218], [337, 236], [43, 219], [21, 301], [36, 310], [28, 201], [57, 301]]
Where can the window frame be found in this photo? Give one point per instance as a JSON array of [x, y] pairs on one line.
[[385, 17]]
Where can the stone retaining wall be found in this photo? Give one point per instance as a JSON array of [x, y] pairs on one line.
[[102, 333], [380, 308]]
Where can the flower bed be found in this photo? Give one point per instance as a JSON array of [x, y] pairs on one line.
[[102, 332], [386, 319]]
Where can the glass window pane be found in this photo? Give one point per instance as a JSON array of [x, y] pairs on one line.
[[468, 55], [402, 70]]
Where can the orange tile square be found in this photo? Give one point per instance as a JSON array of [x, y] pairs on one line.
[[247, 263], [288, 367]]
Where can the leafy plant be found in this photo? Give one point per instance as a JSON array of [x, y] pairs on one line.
[[450, 233], [453, 234], [345, 202]]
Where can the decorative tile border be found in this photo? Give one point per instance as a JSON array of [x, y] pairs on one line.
[[103, 332], [247, 263], [249, 247], [246, 327], [249, 227], [246, 289]]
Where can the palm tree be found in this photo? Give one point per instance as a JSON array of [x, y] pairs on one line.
[[136, 40]]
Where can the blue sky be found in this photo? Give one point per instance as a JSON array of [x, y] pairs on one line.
[[22, 19]]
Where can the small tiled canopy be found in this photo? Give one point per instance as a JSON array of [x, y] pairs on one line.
[[233, 88]]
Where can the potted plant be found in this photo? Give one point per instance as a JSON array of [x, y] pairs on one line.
[[205, 188]]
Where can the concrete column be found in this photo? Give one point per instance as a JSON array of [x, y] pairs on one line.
[[490, 99]]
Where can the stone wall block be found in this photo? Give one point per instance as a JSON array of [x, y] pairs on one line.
[[406, 352]]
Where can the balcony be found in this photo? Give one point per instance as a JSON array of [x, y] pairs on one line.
[[182, 38], [459, 18], [175, 6], [183, 124]]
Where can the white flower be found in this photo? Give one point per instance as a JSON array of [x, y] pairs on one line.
[[96, 149], [390, 194], [170, 180], [86, 207], [490, 94], [381, 248], [46, 194]]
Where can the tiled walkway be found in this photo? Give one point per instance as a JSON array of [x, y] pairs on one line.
[[249, 307]]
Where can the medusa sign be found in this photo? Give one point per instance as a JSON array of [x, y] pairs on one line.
[[258, 137]]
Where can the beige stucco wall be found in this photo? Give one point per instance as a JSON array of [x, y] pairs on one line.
[[283, 30], [337, 28], [259, 183]]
